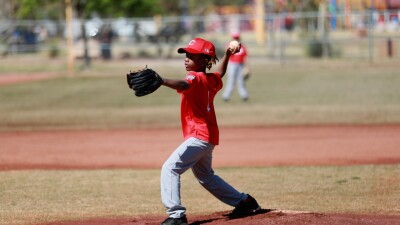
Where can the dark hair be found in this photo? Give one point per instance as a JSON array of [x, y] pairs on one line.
[[211, 61]]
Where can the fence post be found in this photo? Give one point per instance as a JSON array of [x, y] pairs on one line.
[[282, 38], [370, 37], [389, 47]]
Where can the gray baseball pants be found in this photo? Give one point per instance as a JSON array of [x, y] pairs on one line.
[[196, 154], [235, 77]]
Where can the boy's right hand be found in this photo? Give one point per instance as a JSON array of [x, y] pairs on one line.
[[234, 47]]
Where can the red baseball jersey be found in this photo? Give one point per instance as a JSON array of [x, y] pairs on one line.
[[240, 56], [197, 106]]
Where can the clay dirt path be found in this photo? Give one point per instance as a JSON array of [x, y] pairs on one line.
[[148, 148], [251, 146], [12, 78]]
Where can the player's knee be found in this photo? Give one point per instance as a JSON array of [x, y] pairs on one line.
[[167, 167], [204, 177], [171, 167]]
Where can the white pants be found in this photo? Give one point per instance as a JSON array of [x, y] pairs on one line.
[[196, 154], [235, 77]]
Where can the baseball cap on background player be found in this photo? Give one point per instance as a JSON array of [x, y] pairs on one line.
[[199, 46], [236, 35]]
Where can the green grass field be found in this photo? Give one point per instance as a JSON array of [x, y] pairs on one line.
[[312, 92], [297, 93]]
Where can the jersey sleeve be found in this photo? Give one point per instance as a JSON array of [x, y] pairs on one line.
[[219, 81], [192, 79]]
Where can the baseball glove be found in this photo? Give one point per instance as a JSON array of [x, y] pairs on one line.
[[246, 73], [144, 82]]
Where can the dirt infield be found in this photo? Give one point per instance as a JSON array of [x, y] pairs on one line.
[[264, 146], [148, 148], [7, 79]]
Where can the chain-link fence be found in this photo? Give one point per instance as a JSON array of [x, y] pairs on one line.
[[365, 35]]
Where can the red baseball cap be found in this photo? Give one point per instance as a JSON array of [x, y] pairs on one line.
[[236, 35], [199, 46]]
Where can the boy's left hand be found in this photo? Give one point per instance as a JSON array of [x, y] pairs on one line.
[[144, 82]]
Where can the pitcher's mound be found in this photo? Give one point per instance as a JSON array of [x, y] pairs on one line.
[[266, 217]]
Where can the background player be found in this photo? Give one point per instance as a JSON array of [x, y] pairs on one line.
[[237, 63]]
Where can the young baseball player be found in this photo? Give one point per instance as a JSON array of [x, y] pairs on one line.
[[236, 77], [200, 131]]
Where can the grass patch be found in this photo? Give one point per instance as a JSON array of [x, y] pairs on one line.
[[315, 92], [30, 197]]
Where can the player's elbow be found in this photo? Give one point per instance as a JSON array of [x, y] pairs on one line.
[[184, 86], [221, 72]]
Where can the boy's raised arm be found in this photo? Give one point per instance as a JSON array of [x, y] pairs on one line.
[[224, 62]]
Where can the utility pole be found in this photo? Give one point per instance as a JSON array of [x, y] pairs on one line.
[[70, 38], [260, 21], [322, 29], [80, 8]]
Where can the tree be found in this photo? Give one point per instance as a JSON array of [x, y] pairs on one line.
[[303, 5], [124, 8], [37, 9], [54, 9]]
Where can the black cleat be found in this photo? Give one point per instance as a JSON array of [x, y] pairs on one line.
[[175, 221], [246, 207]]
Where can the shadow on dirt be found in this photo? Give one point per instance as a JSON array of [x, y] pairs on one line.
[[228, 217]]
